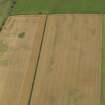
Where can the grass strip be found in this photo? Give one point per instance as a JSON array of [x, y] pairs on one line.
[[5, 9], [103, 63]]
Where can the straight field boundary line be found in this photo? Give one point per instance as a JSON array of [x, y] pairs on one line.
[[48, 13], [103, 63], [40, 50]]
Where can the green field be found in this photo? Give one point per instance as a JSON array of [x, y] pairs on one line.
[[59, 6], [4, 8]]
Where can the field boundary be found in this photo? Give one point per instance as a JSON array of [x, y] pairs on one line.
[[102, 64], [40, 50]]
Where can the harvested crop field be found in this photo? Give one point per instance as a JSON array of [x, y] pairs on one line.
[[69, 70], [19, 49], [51, 60]]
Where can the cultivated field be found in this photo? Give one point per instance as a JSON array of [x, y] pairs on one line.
[[52, 59], [20, 42], [69, 70], [59, 6]]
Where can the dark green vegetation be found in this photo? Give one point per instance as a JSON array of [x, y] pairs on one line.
[[21, 35], [5, 6], [58, 6]]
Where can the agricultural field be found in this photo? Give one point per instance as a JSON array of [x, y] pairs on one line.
[[52, 52], [19, 49], [70, 77], [58, 6], [69, 70]]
